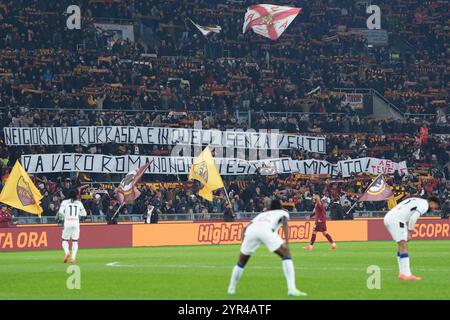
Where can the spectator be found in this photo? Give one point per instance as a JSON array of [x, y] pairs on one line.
[[5, 217], [111, 217], [445, 209], [336, 210], [348, 211], [228, 214]]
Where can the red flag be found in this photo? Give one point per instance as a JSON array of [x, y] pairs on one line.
[[377, 191], [127, 190]]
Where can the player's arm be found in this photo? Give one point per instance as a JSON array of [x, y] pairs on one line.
[[285, 228], [62, 208], [82, 213], [245, 228], [60, 214], [412, 222]]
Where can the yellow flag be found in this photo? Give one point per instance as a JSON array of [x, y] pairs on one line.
[[205, 193], [20, 192], [204, 170]]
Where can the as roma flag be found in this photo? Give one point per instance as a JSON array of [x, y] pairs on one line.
[[204, 170], [20, 192], [269, 20], [127, 190], [378, 190]]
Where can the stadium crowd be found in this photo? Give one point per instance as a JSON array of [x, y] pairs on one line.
[[171, 67], [427, 157]]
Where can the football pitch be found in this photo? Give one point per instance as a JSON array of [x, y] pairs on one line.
[[203, 272]]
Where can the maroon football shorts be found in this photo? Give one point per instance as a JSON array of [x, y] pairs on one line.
[[320, 226]]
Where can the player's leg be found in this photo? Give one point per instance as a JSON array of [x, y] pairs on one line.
[[75, 237], [275, 244], [392, 227], [312, 241], [74, 250], [399, 234], [237, 273], [248, 247], [404, 264], [65, 243], [329, 238], [288, 269]]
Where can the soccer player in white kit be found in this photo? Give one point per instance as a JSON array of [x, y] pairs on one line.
[[263, 228], [400, 222], [71, 209]]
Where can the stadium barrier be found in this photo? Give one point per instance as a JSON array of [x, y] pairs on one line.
[[202, 233], [49, 237], [432, 229], [231, 233], [215, 217]]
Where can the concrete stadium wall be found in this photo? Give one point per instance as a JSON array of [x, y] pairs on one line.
[[202, 233]]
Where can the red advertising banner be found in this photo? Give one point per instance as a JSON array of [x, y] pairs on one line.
[[49, 237], [433, 229]]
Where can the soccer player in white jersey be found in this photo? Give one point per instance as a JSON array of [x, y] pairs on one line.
[[263, 228], [400, 222], [71, 210]]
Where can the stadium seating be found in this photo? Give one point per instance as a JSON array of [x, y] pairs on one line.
[[51, 76]]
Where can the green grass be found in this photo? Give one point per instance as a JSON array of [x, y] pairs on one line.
[[202, 272]]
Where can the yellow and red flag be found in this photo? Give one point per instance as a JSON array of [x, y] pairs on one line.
[[20, 192], [269, 20], [204, 170], [378, 190]]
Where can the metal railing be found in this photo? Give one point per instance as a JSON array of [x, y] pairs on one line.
[[213, 217], [389, 103], [419, 115], [111, 110]]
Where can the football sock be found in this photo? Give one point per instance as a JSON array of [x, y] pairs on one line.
[[330, 240], [74, 249], [65, 245], [313, 239], [289, 273], [404, 264], [398, 261], [238, 270]]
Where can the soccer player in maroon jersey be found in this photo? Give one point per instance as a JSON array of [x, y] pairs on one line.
[[321, 223]]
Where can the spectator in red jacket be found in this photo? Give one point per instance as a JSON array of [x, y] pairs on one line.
[[424, 134], [5, 217]]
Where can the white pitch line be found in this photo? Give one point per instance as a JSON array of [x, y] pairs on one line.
[[192, 266], [116, 264]]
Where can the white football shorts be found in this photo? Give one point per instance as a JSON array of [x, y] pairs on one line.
[[71, 233], [397, 229], [257, 233]]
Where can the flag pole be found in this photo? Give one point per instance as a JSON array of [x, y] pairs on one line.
[[363, 193], [117, 211], [224, 187], [228, 198]]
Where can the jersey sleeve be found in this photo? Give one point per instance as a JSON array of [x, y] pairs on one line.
[[62, 208], [82, 210], [413, 220]]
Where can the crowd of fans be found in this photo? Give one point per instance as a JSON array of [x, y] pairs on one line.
[[427, 157], [170, 72], [170, 65]]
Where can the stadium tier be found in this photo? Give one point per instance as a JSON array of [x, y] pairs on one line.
[[165, 73]]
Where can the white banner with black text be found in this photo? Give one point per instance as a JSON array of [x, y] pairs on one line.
[[98, 163], [52, 136]]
